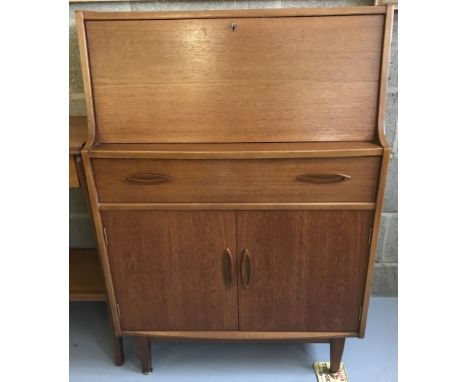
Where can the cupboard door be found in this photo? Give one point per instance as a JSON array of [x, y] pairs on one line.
[[171, 270], [305, 270]]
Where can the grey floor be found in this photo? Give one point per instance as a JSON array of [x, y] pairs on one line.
[[373, 359]]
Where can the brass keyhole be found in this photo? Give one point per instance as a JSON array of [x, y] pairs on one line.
[[233, 27]]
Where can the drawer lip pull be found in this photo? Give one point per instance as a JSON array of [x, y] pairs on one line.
[[146, 178], [246, 270], [322, 177], [227, 265]]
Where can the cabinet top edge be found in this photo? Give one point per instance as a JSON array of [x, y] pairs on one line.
[[239, 13], [236, 150]]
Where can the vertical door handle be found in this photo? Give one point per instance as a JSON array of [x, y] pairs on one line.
[[246, 270], [227, 265]]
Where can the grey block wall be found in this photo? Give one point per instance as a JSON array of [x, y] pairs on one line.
[[386, 272]]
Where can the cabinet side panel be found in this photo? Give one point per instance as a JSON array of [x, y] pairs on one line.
[[278, 79]]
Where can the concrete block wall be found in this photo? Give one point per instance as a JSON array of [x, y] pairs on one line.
[[386, 272]]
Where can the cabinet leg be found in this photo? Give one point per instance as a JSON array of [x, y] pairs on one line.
[[117, 342], [117, 347], [144, 354], [336, 352]]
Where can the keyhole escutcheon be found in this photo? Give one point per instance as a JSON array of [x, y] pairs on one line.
[[233, 27]]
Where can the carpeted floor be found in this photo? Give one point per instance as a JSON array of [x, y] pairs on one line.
[[373, 359]]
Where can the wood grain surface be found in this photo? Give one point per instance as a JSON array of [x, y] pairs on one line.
[[375, 238], [77, 138], [73, 180], [167, 268], [236, 150], [143, 345], [336, 352], [77, 134], [235, 181], [308, 269], [238, 13], [85, 276], [271, 80], [86, 74], [233, 206], [241, 335], [385, 66]]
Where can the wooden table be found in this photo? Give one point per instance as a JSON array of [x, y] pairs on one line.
[[85, 274]]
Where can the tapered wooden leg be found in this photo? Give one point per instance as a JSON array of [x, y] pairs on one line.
[[144, 354], [117, 347], [336, 352], [117, 342]]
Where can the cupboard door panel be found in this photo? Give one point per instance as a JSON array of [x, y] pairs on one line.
[[169, 269], [307, 269]]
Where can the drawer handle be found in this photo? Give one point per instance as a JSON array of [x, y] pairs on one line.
[[227, 265], [245, 268], [322, 178], [147, 178]]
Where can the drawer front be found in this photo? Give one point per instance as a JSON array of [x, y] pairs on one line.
[[237, 181]]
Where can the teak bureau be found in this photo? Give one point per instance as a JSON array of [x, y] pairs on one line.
[[236, 164]]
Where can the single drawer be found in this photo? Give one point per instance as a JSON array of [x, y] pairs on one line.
[[73, 180], [237, 181]]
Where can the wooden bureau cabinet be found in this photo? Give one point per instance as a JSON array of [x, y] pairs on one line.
[[236, 164]]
